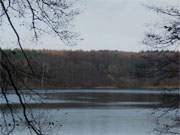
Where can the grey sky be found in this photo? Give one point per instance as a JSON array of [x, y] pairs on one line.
[[106, 24]]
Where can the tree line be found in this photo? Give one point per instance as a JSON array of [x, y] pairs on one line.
[[93, 69]]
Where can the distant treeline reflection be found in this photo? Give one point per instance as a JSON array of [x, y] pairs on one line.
[[85, 69]]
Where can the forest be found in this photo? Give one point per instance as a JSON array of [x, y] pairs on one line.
[[96, 69]]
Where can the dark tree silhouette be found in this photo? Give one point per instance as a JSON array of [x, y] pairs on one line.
[[39, 16], [168, 35]]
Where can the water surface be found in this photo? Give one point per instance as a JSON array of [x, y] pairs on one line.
[[94, 112]]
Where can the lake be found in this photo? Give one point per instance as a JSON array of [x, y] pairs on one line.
[[95, 111]]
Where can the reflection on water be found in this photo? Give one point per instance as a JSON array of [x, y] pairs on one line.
[[96, 98], [91, 112], [94, 122]]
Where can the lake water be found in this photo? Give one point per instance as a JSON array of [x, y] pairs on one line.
[[94, 112]]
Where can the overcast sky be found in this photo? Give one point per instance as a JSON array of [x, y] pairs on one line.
[[106, 24]]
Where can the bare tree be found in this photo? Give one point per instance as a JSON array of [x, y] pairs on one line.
[[39, 16], [168, 35], [169, 32]]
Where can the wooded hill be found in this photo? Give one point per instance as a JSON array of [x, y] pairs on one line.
[[93, 69]]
